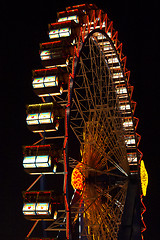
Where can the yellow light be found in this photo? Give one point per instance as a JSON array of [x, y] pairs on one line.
[[144, 178], [77, 179]]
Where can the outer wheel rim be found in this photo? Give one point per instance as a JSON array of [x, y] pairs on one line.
[[103, 232]]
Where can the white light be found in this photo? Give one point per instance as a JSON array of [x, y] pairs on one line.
[[100, 36], [38, 83], [62, 19], [32, 119], [113, 60], [115, 67], [62, 32], [57, 126], [55, 168], [109, 34], [29, 162], [54, 34], [47, 130], [37, 161], [75, 18], [29, 208], [45, 118], [50, 81], [117, 75], [130, 141], [119, 81], [107, 48], [125, 107], [40, 118], [43, 161], [107, 43], [42, 208], [55, 215], [128, 124], [61, 90], [132, 158], [45, 55], [121, 90], [59, 65]]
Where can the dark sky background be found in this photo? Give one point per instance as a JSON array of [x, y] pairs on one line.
[[23, 26]]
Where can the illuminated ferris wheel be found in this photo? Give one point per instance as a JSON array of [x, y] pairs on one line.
[[88, 133]]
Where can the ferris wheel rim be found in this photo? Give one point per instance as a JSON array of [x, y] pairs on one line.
[[81, 51], [108, 39], [87, 36]]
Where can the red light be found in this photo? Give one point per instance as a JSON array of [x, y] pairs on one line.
[[60, 23], [45, 70], [38, 146], [50, 43]]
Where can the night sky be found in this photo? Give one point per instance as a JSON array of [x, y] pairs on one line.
[[23, 26]]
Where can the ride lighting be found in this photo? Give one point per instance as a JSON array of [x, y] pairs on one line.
[[49, 82], [39, 118], [124, 106], [113, 60], [76, 15], [37, 161], [37, 209], [117, 75], [128, 123], [40, 205], [56, 53], [42, 159], [109, 34], [107, 48], [132, 157], [74, 18], [121, 90], [44, 117], [45, 55], [130, 141], [62, 32], [37, 203]]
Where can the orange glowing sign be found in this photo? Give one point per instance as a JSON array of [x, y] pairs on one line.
[[77, 179]]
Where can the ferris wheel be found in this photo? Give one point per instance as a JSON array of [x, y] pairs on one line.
[[88, 133]]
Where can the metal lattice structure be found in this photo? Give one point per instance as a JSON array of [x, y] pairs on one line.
[[87, 112]]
